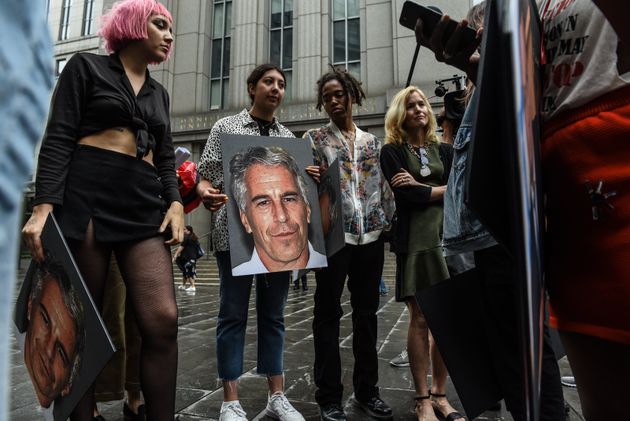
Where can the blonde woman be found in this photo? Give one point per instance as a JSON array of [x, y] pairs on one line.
[[416, 165]]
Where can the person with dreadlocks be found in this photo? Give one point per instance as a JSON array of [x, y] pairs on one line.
[[367, 210]]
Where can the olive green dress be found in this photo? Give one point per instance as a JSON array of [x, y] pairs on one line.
[[424, 263]]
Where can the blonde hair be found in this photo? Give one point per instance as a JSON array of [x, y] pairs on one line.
[[395, 117]]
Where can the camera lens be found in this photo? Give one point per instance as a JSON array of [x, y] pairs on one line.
[[440, 91]]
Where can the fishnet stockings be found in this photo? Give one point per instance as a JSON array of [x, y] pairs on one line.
[[145, 266]]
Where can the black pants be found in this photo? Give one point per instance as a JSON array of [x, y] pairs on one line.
[[501, 324], [362, 265]]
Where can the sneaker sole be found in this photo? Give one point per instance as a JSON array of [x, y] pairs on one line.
[[269, 413], [398, 364]]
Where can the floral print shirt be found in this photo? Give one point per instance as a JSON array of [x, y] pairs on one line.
[[211, 164], [367, 201]]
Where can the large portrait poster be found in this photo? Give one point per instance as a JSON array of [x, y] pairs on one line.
[[273, 211], [58, 328]]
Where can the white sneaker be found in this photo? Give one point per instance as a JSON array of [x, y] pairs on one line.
[[232, 411], [400, 360], [568, 381], [191, 289], [279, 408], [181, 287]]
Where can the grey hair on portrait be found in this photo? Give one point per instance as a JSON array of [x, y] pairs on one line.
[[52, 269], [268, 156]]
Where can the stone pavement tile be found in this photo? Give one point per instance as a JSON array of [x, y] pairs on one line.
[[203, 379], [207, 407], [394, 377], [26, 413], [294, 335], [184, 397], [22, 395], [199, 394], [191, 338], [252, 396], [299, 384], [193, 361]]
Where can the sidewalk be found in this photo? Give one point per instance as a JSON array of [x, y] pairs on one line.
[[199, 394]]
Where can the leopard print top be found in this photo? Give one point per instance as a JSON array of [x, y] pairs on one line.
[[211, 164]]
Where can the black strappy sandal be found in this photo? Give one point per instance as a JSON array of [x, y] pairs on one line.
[[450, 417], [418, 399]]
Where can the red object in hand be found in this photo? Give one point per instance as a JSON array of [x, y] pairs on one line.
[[187, 178]]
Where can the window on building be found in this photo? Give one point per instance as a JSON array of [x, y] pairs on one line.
[[59, 65], [346, 36], [220, 67], [65, 19], [281, 39], [88, 17]]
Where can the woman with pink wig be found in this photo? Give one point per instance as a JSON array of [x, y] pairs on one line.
[[106, 170]]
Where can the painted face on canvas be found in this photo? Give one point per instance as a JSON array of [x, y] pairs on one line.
[[276, 215], [50, 346]]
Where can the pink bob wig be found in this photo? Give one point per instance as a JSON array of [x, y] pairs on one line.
[[127, 21]]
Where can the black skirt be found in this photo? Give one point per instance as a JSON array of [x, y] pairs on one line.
[[119, 193]]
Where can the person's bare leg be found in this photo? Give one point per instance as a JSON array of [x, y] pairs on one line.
[[230, 390], [418, 350], [438, 383], [602, 374], [134, 400], [275, 383]]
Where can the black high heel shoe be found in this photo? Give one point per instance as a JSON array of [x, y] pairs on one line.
[[132, 416], [448, 417]]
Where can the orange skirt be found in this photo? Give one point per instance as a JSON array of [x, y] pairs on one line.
[[588, 261]]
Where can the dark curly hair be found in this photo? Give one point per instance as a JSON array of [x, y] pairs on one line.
[[351, 85]]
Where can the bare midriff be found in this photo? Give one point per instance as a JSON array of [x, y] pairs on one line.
[[116, 139]]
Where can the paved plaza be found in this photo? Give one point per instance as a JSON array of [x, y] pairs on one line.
[[199, 394]]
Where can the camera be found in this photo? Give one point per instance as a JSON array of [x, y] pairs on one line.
[[457, 80]]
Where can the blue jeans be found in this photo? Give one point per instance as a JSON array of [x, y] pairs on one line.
[[271, 296], [25, 81]]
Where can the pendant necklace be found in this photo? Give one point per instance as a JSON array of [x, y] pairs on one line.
[[421, 154]]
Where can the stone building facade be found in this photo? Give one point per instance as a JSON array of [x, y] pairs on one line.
[[219, 42]]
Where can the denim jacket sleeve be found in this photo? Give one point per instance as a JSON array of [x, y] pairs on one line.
[[463, 232]]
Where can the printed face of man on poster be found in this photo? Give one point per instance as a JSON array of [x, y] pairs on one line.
[[54, 336], [270, 194]]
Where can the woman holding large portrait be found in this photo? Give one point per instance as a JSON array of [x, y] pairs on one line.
[[266, 89]]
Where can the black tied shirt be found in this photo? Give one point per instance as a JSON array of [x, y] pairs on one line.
[[93, 94]]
